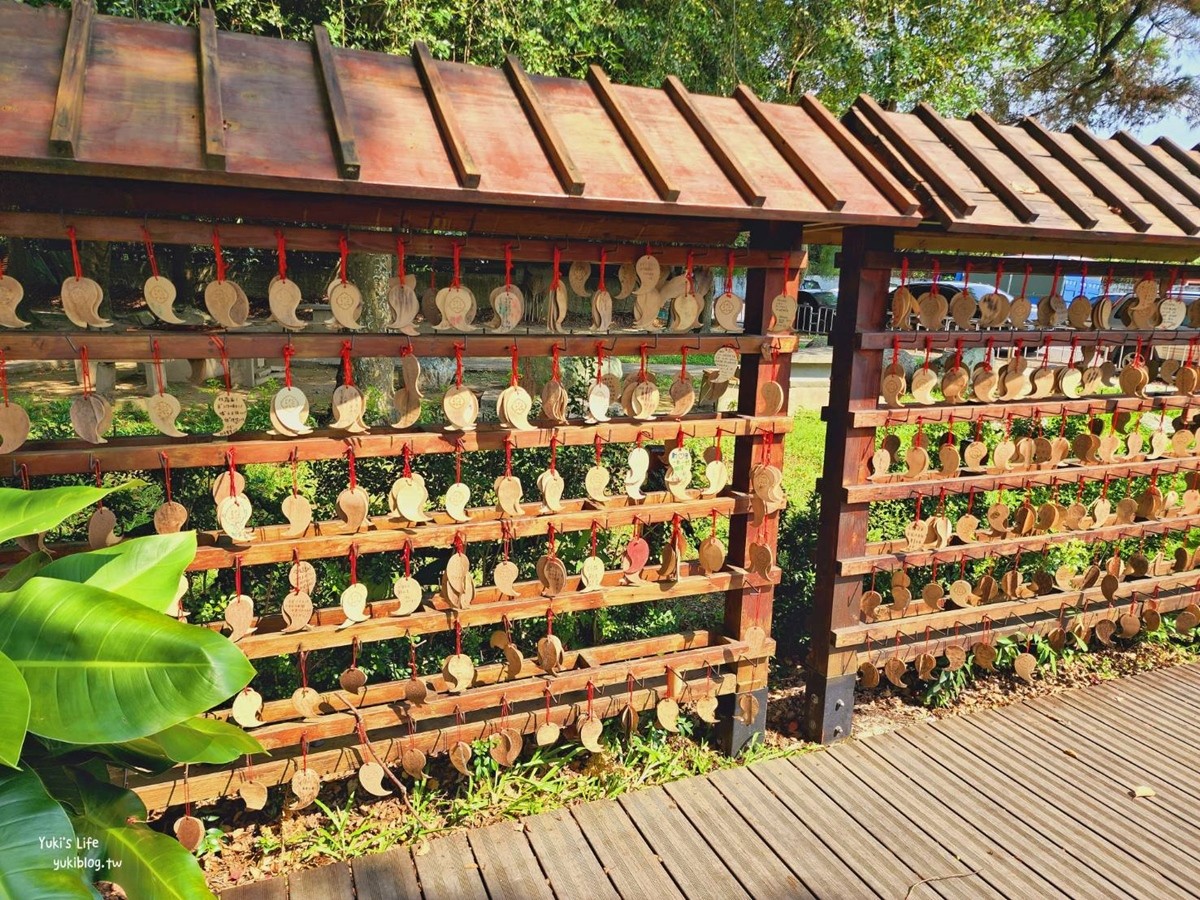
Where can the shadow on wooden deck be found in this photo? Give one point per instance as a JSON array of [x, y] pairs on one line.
[[1033, 800]]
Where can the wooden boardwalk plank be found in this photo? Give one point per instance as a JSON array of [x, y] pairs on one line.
[[1151, 835], [880, 822], [631, 864], [448, 871], [760, 871], [687, 856], [385, 876], [568, 861], [886, 875], [791, 839], [332, 881], [1142, 707], [1017, 833], [510, 870], [1176, 696], [271, 889], [1100, 868], [949, 825]]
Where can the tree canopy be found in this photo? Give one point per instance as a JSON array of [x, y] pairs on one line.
[[1100, 62]]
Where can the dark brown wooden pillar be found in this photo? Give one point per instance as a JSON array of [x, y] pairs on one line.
[[854, 384]]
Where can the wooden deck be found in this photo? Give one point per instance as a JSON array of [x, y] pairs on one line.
[[1034, 800]]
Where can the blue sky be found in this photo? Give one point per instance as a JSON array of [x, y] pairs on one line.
[[1175, 127]]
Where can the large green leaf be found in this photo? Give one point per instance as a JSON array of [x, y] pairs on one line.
[[14, 712], [23, 571], [104, 669], [145, 569], [31, 512], [142, 861], [198, 740], [35, 835]]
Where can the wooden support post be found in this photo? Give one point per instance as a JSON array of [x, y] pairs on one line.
[[854, 381], [751, 605]]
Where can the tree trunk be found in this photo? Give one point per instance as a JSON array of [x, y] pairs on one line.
[[370, 273]]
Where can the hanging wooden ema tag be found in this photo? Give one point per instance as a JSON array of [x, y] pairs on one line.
[[508, 301], [502, 640], [686, 308], [247, 707], [306, 783], [508, 487], [716, 472], [306, 701], [1172, 311], [90, 413], [514, 404], [402, 296], [727, 307], [550, 483], [931, 305], [158, 292], [348, 404], [345, 299], [408, 494], [506, 741], [407, 401], [647, 300], [460, 751], [770, 391], [458, 495], [289, 406], [14, 421], [644, 399], [458, 583], [459, 403], [679, 470], [783, 305], [602, 301], [102, 525], [550, 649], [229, 407], [599, 397], [963, 307], [224, 299], [405, 588], [296, 508], [189, 830], [589, 724], [556, 299], [554, 395], [354, 597], [283, 296], [551, 571], [412, 759], [596, 480], [81, 297], [458, 670], [636, 556], [239, 611], [297, 606], [252, 791], [163, 408], [456, 303], [639, 468], [372, 771], [353, 503], [353, 680], [671, 565], [591, 570], [548, 732], [893, 382], [504, 575], [1134, 376], [11, 294], [682, 391], [171, 516]]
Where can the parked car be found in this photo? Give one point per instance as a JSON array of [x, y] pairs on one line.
[[815, 309]]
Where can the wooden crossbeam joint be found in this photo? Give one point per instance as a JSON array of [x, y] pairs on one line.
[[68, 102], [344, 146], [543, 126], [438, 98]]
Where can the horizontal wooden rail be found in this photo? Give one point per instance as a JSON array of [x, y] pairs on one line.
[[883, 559], [325, 239], [941, 413], [910, 625], [145, 453], [138, 345], [897, 487], [1032, 338]]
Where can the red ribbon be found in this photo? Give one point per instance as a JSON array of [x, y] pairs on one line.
[[347, 368], [75, 252], [218, 256], [603, 263], [457, 279], [150, 251], [343, 253], [281, 252]]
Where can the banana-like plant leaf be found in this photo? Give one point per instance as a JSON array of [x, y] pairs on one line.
[[32, 512], [145, 569], [142, 861], [14, 712], [23, 571], [198, 740], [106, 669], [35, 834]]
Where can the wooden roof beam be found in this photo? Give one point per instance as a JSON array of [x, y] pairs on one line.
[[866, 133], [443, 113], [632, 134], [212, 120], [551, 141], [881, 178], [68, 102], [1179, 154], [810, 176], [714, 143], [1157, 166], [1133, 179], [335, 102], [1097, 185], [1027, 164], [939, 183], [976, 163]]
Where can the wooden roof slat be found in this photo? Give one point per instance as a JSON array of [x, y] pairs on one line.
[[1156, 165], [343, 131], [212, 122], [68, 103], [866, 133], [811, 177], [953, 198], [1027, 164], [439, 102], [634, 139], [1097, 185], [714, 143], [1179, 154], [1127, 174], [895, 192], [551, 141], [976, 163]]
